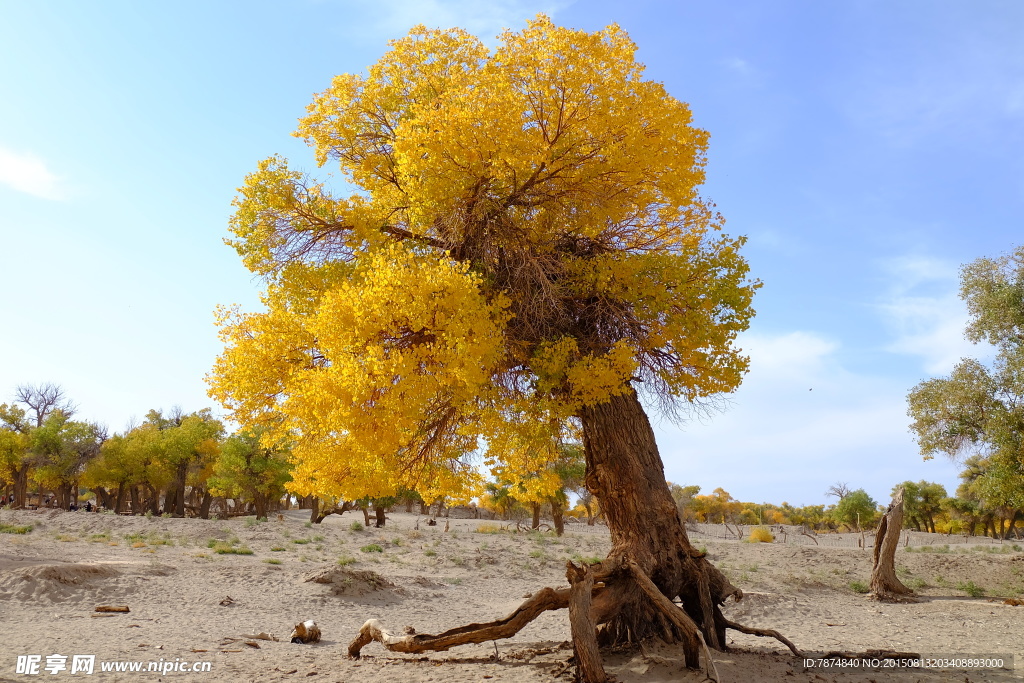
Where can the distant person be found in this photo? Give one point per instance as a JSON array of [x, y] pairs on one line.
[[88, 506]]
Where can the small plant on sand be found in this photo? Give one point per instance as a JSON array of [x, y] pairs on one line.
[[318, 538], [458, 561], [14, 529], [971, 588], [278, 549], [67, 538], [488, 529], [372, 548], [300, 541], [760, 534], [271, 560], [917, 584], [430, 553], [859, 587], [397, 541], [308, 525], [345, 560], [356, 526]]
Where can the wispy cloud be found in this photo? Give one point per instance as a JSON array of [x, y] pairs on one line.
[[394, 18], [28, 173], [926, 315]]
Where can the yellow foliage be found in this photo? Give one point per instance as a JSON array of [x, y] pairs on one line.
[[760, 534], [526, 239]]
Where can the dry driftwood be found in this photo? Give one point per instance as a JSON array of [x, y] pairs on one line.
[[306, 632], [112, 608], [542, 601]]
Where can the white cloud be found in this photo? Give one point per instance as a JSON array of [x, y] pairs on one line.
[[793, 357], [27, 173], [924, 310], [800, 422]]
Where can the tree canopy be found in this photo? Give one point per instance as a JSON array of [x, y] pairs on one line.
[[525, 239]]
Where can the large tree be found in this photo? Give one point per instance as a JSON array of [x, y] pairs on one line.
[[977, 412], [525, 249]]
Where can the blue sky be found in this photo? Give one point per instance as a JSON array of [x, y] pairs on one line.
[[867, 149]]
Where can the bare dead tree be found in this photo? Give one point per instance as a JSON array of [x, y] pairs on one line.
[[44, 399], [840, 490]]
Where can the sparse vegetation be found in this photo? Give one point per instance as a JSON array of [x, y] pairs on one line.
[[971, 588], [859, 587], [372, 548], [14, 529]]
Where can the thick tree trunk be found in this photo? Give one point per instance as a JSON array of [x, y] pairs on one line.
[[885, 585], [381, 517], [260, 501], [119, 499], [204, 505], [535, 510], [625, 473], [557, 516]]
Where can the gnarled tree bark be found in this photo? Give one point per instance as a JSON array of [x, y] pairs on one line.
[[625, 473], [885, 585]]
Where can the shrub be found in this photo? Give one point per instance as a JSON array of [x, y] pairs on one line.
[[300, 541], [356, 526], [278, 549], [760, 534], [271, 560], [345, 560], [372, 548], [488, 529], [859, 587], [971, 588], [430, 553]]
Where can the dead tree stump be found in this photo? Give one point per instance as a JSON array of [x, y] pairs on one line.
[[589, 668], [885, 585]]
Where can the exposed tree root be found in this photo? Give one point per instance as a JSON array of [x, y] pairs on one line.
[[542, 601], [680, 619], [765, 633]]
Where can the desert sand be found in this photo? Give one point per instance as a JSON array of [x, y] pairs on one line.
[[189, 603]]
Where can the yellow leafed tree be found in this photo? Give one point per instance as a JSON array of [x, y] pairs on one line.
[[524, 252]]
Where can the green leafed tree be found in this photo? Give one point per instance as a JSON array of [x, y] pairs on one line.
[[857, 510], [977, 412], [249, 470]]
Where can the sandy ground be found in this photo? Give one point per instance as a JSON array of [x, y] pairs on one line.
[[165, 570]]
